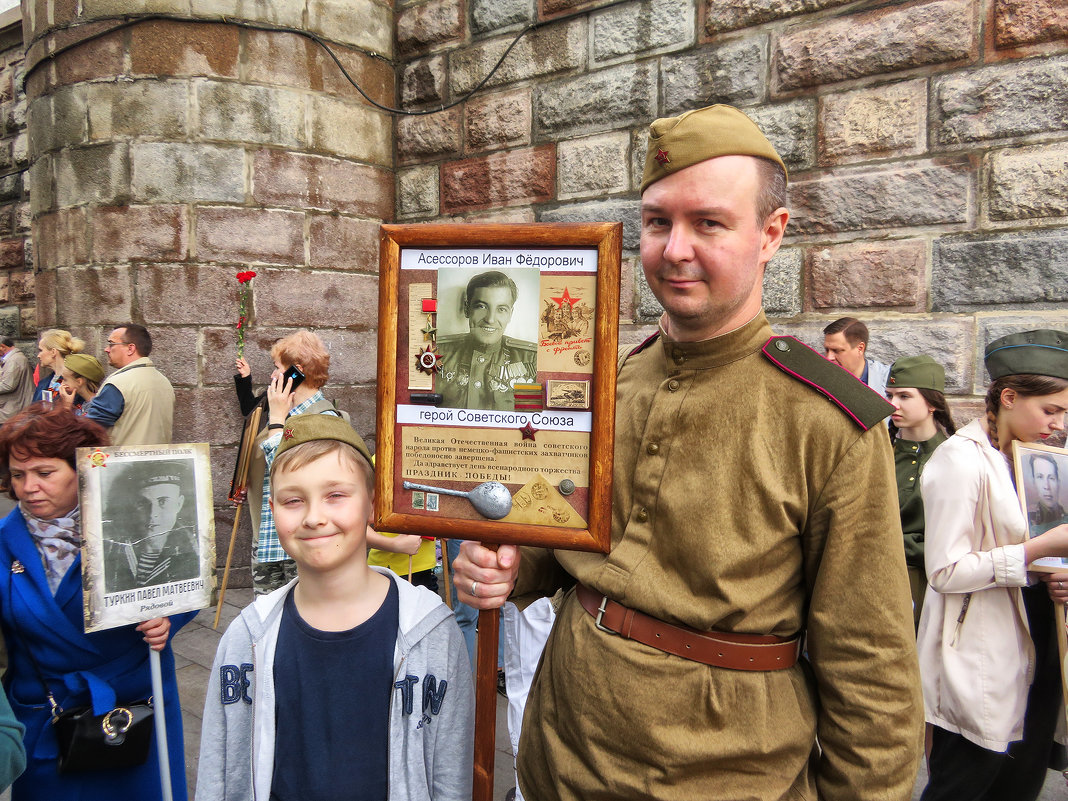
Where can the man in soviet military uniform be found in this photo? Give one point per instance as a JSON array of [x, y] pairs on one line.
[[479, 369], [749, 511], [1047, 480]]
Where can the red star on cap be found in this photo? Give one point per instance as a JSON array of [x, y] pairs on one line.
[[661, 156], [287, 434], [565, 298], [528, 431]]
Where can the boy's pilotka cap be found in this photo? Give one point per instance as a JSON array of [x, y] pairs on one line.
[[705, 133], [1040, 352], [303, 428], [917, 372]]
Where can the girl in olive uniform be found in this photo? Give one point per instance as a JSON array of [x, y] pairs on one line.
[[920, 423]]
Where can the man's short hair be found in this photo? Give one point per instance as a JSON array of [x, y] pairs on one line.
[[772, 192], [487, 279], [1045, 458], [853, 329], [7, 342], [307, 350], [138, 336]]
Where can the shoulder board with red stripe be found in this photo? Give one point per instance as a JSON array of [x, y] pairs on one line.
[[859, 402]]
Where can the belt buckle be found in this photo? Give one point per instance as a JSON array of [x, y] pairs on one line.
[[600, 614]]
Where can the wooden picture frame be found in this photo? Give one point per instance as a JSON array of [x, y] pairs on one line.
[[459, 380], [1042, 485]]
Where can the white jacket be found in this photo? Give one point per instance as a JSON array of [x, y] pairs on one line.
[[976, 675]]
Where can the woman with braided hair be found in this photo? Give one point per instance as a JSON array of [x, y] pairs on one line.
[[988, 653]]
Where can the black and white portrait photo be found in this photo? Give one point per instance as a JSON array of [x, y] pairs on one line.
[[487, 335], [150, 532]]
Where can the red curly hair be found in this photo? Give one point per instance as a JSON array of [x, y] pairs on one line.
[[47, 431]]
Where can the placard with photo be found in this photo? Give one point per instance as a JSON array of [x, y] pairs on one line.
[[1042, 484], [149, 529]]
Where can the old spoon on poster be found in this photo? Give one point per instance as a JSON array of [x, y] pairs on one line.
[[491, 499]]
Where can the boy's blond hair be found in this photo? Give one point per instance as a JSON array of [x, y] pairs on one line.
[[304, 454]]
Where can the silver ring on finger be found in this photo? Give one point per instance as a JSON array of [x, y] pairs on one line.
[[474, 589]]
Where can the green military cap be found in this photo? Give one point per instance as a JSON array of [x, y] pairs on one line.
[[85, 366], [917, 372], [1041, 352], [301, 428], [705, 133]]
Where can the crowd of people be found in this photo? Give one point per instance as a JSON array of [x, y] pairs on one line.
[[792, 590]]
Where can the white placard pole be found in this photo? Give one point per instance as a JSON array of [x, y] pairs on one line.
[[160, 717]]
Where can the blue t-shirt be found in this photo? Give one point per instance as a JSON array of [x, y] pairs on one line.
[[332, 697]]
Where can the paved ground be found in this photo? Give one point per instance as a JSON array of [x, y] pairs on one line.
[[194, 650]]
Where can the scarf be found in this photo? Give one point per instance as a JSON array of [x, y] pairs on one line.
[[59, 542]]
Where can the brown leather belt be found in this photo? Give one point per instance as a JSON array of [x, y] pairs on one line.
[[716, 648]]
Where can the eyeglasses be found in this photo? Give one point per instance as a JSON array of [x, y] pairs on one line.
[[111, 344]]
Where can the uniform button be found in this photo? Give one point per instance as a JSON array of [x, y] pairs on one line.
[[912, 478], [642, 515], [481, 359], [652, 449], [781, 345], [567, 486], [914, 461], [478, 384], [673, 385], [679, 357]]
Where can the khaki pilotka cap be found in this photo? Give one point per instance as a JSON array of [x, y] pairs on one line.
[[1040, 352], [705, 133], [917, 372], [301, 428], [85, 366]]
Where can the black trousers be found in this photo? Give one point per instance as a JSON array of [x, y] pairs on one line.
[[960, 770]]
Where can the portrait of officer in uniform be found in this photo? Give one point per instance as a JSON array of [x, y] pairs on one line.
[[150, 532], [1046, 479], [480, 368]]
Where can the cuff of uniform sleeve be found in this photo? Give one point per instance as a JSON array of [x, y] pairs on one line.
[[1010, 566]]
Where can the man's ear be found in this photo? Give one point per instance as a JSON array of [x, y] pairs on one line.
[[862, 347]]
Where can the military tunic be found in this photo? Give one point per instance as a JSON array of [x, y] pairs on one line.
[[743, 502], [1042, 520], [473, 376], [909, 459]]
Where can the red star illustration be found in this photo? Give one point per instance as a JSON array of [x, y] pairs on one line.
[[566, 298], [288, 434], [661, 156], [528, 431]]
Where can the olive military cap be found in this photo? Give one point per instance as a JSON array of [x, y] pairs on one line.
[[85, 366], [1040, 352], [917, 372], [303, 428], [705, 133]]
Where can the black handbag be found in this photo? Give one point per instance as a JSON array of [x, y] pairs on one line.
[[88, 742], [119, 739]]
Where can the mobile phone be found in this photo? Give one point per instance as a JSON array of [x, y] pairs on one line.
[[295, 374]]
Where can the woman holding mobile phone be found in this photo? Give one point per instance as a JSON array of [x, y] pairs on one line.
[[987, 645]]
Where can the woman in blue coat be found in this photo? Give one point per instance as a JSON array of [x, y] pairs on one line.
[[41, 612]]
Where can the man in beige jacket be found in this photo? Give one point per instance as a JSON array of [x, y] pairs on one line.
[[136, 401], [749, 633], [16, 380]]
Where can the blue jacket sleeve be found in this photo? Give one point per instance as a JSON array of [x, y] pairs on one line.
[[106, 407]]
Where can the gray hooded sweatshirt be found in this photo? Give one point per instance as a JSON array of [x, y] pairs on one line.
[[431, 718]]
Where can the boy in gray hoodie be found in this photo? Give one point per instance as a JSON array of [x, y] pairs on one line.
[[347, 682]]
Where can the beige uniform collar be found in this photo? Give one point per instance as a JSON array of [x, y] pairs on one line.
[[720, 350]]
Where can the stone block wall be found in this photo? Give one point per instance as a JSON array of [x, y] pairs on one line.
[[169, 155], [17, 308], [927, 143]]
